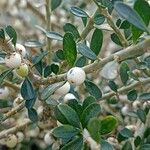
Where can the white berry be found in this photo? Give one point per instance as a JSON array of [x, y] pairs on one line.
[[21, 49], [63, 89], [23, 70], [68, 97], [13, 61], [20, 136], [4, 92], [76, 76], [11, 141], [48, 139], [136, 104], [125, 110]]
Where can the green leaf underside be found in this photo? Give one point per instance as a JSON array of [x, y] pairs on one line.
[[78, 12], [130, 15], [27, 90], [86, 51]]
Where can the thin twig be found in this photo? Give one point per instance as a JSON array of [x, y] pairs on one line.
[[13, 111], [104, 11], [127, 53], [12, 130], [134, 85], [48, 24]]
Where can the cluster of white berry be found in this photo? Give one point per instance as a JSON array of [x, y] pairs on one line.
[[15, 61], [75, 76]]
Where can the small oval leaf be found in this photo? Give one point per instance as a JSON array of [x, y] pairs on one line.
[[86, 51], [78, 12], [69, 47], [54, 35], [130, 15]]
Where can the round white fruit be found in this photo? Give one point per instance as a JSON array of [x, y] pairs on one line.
[[125, 110], [23, 70], [68, 97], [76, 76], [63, 90], [21, 49], [20, 136], [136, 104], [48, 139], [11, 141], [13, 61], [4, 92]]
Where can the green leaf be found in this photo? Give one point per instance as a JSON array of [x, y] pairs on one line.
[[145, 147], [70, 114], [132, 95], [127, 146], [12, 34], [49, 90], [2, 34], [84, 20], [65, 132], [91, 111], [81, 62], [124, 72], [68, 27], [108, 124], [52, 102], [88, 101], [133, 76], [55, 4], [59, 116], [78, 12], [86, 51], [36, 59], [130, 15], [94, 129], [4, 74], [96, 41], [75, 144], [4, 103], [99, 19], [54, 68], [33, 44], [113, 86], [32, 114], [93, 89], [54, 35], [137, 141], [60, 54], [142, 115], [69, 47], [27, 90], [39, 67], [115, 39], [74, 104], [143, 9], [126, 133], [47, 71], [125, 25], [144, 96], [30, 103], [106, 146]]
